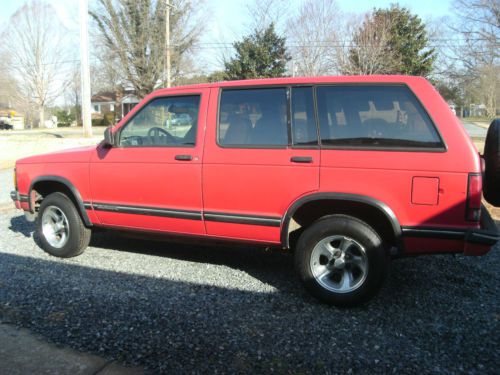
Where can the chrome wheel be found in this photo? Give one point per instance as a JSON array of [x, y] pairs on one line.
[[55, 227], [339, 264]]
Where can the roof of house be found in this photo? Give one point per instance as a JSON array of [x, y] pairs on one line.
[[104, 97]]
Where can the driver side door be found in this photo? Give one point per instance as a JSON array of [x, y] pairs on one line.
[[151, 179]]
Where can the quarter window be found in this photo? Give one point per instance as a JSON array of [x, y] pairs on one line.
[[170, 121], [303, 122], [374, 116], [253, 118]]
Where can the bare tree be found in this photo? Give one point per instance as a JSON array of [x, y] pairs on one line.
[[365, 47], [312, 35], [35, 40], [478, 53], [133, 36], [264, 12], [8, 85]]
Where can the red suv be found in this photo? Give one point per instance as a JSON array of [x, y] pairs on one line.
[[348, 172]]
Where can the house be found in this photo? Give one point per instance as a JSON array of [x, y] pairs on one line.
[[103, 103], [115, 103]]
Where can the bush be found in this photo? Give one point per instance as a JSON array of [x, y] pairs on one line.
[[109, 119], [96, 122], [64, 118]]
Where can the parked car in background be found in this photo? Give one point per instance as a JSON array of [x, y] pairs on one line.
[[6, 126], [181, 119], [347, 172]]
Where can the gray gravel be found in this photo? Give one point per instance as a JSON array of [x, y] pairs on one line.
[[6, 185], [191, 309]]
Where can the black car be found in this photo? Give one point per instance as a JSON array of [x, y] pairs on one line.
[[5, 126]]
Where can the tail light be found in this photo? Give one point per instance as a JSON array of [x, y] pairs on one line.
[[474, 190]]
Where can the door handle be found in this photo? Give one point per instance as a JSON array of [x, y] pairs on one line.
[[301, 159], [183, 157]]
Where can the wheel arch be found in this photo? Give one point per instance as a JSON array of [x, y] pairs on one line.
[[51, 184], [341, 203]]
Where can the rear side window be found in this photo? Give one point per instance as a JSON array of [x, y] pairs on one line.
[[253, 118], [374, 116]]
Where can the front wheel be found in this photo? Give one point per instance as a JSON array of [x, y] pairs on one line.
[[60, 228], [341, 260]]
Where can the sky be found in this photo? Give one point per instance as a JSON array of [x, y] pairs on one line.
[[228, 19]]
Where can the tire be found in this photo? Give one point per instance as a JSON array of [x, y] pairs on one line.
[[341, 261], [491, 188], [59, 227]]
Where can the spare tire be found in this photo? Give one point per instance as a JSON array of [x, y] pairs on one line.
[[491, 183]]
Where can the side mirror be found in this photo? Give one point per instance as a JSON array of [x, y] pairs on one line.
[[109, 137]]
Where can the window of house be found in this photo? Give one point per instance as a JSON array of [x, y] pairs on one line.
[[169, 121], [253, 118], [97, 108], [374, 116]]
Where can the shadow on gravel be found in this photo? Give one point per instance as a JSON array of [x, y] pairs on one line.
[[435, 314], [18, 224], [272, 267]]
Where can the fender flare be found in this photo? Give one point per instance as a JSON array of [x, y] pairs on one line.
[[69, 185], [346, 197]]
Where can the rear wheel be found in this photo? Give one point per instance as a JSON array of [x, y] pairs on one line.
[[60, 228], [341, 260]]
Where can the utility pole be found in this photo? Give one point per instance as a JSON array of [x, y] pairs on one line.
[[84, 68], [167, 42]]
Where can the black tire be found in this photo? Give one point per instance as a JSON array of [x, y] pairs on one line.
[[491, 188], [77, 237], [363, 239]]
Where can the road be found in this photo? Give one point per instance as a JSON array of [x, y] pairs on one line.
[[474, 130]]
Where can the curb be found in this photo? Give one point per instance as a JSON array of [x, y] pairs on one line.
[[22, 352]]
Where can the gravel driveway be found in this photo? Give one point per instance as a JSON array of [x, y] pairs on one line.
[[181, 309]]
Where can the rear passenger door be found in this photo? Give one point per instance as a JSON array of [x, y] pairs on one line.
[[260, 155]]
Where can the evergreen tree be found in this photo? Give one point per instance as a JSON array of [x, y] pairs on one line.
[[405, 48], [260, 55], [408, 41]]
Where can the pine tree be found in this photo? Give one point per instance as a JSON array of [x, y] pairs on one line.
[[392, 41], [260, 55]]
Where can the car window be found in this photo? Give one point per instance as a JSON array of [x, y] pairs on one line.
[[303, 122], [374, 116], [253, 118], [169, 121]]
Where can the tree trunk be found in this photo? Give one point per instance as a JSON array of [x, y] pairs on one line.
[[41, 115]]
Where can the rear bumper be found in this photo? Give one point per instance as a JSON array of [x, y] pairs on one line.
[[432, 240], [488, 234]]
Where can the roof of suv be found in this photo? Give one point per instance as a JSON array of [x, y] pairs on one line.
[[301, 81]]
